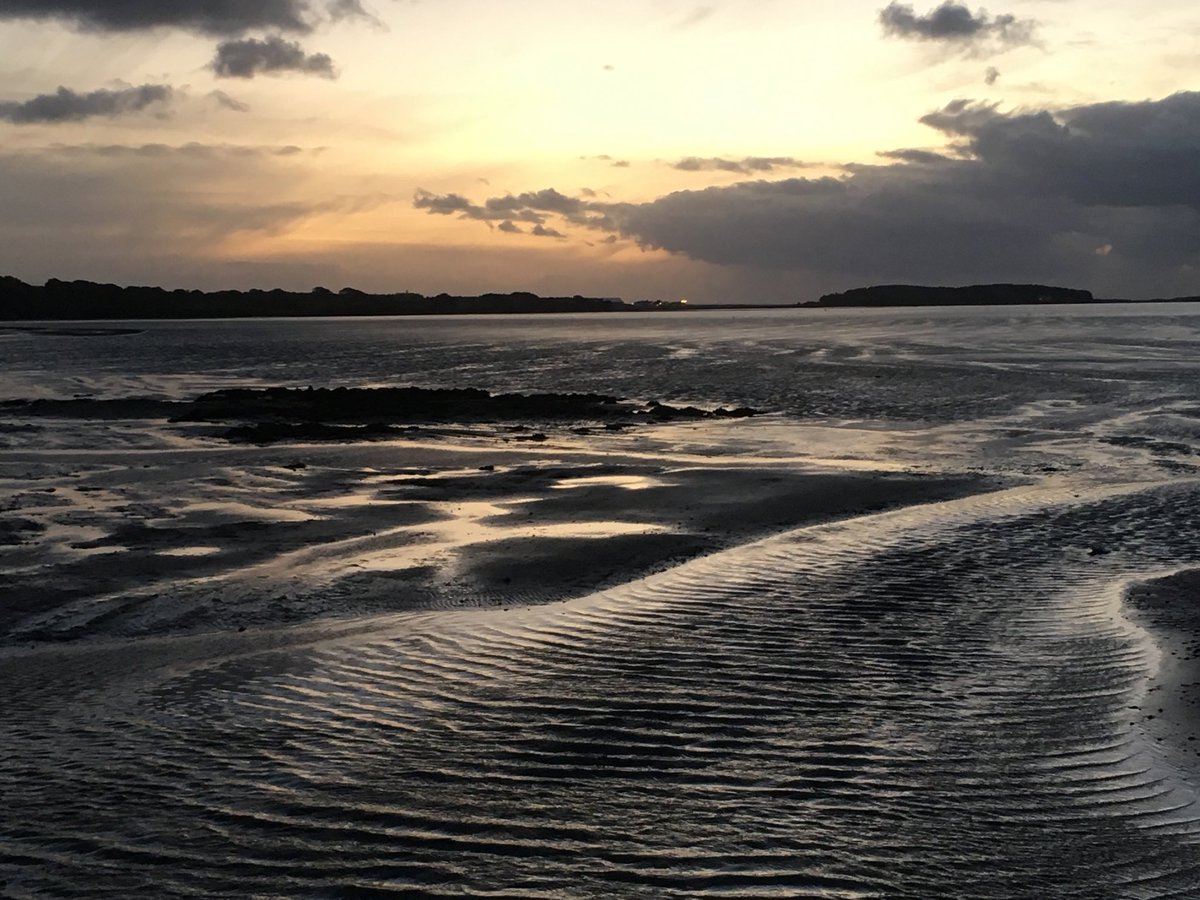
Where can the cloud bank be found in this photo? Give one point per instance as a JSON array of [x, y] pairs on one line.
[[65, 105], [214, 17], [1103, 195], [271, 56]]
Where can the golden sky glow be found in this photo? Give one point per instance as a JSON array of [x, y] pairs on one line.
[[481, 100]]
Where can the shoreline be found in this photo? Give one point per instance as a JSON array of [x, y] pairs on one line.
[[51, 326]]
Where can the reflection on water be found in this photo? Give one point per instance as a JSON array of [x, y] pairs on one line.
[[627, 482], [189, 551], [465, 523]]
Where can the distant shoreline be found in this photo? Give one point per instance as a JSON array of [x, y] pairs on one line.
[[89, 301]]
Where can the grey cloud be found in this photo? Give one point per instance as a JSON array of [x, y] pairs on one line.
[[496, 209], [227, 102], [271, 56], [531, 207], [745, 166], [597, 218], [991, 76], [65, 105], [180, 153], [954, 23], [549, 200], [499, 205], [916, 157], [1033, 195], [525, 207], [347, 9], [216, 17], [1106, 196], [446, 204], [1111, 154]]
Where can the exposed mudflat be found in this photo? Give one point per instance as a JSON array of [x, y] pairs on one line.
[[927, 629], [211, 537]]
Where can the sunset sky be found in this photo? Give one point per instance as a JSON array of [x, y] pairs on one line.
[[739, 151]]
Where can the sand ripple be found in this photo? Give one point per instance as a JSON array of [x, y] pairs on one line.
[[936, 701]]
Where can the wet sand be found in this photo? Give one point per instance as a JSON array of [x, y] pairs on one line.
[[878, 646], [163, 540], [1168, 608]]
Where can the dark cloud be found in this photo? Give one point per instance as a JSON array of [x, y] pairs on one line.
[[446, 204], [225, 101], [1105, 196], [65, 105], [747, 166], [216, 17], [954, 23], [548, 200], [991, 76], [543, 231], [271, 56], [1033, 196], [916, 157], [531, 207], [510, 227], [1102, 154], [348, 9]]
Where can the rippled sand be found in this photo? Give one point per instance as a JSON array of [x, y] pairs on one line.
[[944, 658], [865, 708]]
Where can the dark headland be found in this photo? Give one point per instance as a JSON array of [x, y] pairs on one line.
[[970, 295]]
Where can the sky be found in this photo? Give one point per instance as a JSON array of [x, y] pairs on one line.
[[745, 151]]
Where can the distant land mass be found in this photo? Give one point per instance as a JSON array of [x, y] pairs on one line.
[[74, 300], [970, 295], [89, 300]]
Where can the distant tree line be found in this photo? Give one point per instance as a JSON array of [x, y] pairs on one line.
[[89, 300]]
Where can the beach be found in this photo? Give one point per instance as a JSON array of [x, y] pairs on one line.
[[810, 650]]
